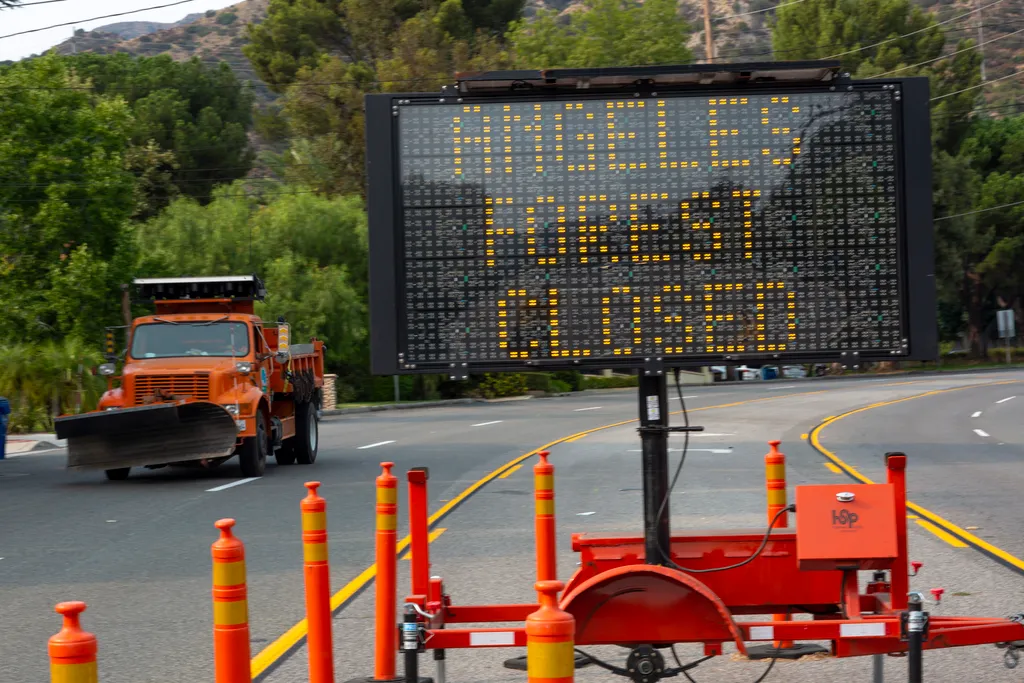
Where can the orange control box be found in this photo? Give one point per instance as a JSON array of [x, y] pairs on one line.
[[845, 525]]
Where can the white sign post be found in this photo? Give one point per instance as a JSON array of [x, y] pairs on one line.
[[1007, 328]]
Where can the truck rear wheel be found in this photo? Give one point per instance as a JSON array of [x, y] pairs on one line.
[[119, 474], [306, 442], [252, 456]]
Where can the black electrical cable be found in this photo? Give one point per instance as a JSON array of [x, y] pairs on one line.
[[682, 669], [604, 665], [672, 485], [770, 665]]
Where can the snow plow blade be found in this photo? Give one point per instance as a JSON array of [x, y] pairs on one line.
[[148, 435]]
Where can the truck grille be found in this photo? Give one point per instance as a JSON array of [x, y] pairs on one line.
[[195, 386]]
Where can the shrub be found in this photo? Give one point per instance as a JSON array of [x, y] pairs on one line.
[[610, 382], [559, 387], [573, 378], [501, 385], [211, 13], [225, 18], [538, 381]]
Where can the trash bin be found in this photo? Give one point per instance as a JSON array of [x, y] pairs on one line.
[[768, 372], [5, 410]]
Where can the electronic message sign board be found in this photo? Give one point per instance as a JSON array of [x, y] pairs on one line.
[[692, 226]]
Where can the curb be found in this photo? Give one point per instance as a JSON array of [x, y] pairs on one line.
[[36, 446]]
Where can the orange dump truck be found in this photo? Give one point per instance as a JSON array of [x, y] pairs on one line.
[[204, 379]]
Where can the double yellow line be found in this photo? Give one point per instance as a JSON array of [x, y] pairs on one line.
[[293, 637], [941, 527]]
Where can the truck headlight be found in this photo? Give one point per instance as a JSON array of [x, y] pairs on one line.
[[244, 367], [231, 408]]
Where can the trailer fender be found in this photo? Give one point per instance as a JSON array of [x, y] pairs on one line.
[[650, 604]]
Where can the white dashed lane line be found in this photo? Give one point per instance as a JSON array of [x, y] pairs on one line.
[[227, 486], [1008, 398], [484, 424], [980, 432], [374, 445], [580, 410], [977, 414]]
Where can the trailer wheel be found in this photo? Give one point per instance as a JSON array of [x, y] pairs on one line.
[[119, 474], [252, 456], [306, 442]]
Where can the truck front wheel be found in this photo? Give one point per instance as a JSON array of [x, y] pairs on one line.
[[306, 442], [252, 456]]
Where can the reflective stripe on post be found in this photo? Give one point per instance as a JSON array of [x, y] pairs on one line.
[[775, 483], [550, 655], [318, 586], [544, 527], [72, 650], [230, 608], [385, 637]]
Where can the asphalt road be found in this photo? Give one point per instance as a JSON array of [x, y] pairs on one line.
[[138, 551]]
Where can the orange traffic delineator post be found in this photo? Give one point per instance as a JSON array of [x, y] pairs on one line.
[[544, 499], [318, 586], [775, 484], [385, 638], [550, 652], [72, 650], [230, 608]]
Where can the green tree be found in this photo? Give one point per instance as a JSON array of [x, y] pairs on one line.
[[311, 251], [874, 38], [603, 33], [979, 253], [65, 199], [199, 112], [324, 57]]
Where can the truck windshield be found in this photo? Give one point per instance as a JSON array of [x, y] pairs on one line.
[[169, 340]]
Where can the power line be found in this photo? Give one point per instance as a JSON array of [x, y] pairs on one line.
[[951, 115], [82, 21], [952, 54], [759, 11], [40, 2], [907, 35], [971, 213], [980, 85]]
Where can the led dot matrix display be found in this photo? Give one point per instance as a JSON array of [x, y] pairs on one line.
[[627, 227]]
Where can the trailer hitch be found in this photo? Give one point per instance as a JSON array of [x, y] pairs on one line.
[[1011, 658]]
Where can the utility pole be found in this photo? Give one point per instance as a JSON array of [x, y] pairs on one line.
[[709, 43], [981, 39], [74, 50]]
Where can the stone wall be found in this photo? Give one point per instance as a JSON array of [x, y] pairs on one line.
[[330, 392]]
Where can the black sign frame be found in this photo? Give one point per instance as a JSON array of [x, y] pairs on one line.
[[914, 200]]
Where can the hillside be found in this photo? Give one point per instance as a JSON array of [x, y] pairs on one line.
[[219, 35], [127, 30], [214, 36]]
